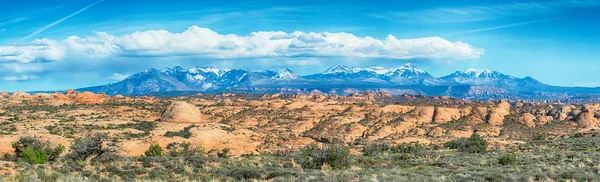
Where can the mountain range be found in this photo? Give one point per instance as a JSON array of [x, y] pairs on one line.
[[340, 79]]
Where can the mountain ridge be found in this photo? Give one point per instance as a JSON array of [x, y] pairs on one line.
[[338, 79]]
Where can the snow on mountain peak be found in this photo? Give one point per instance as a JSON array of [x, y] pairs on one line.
[[286, 74], [478, 73], [337, 69], [209, 69], [376, 69]]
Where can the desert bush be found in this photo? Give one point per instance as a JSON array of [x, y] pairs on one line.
[[36, 149], [154, 150], [241, 173], [92, 148], [376, 149], [224, 153], [185, 133], [473, 144], [184, 149], [33, 156], [508, 159], [314, 157]]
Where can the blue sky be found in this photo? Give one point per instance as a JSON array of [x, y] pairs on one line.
[[61, 44]]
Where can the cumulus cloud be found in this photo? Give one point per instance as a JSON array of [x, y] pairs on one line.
[[118, 77], [203, 42], [19, 78]]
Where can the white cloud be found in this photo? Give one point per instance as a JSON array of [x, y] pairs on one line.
[[118, 77], [205, 43], [19, 78]]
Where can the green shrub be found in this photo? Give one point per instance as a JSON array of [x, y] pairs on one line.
[[578, 135], [508, 159], [372, 150], [154, 150], [224, 153], [37, 146], [314, 157], [185, 133], [473, 144], [91, 148], [184, 149], [409, 148], [33, 156], [246, 173]]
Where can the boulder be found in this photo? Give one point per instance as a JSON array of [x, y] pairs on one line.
[[586, 118]]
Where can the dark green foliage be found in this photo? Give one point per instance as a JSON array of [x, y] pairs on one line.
[[33, 156], [91, 148], [38, 148], [246, 173], [154, 150], [314, 157], [376, 149], [508, 159], [473, 144], [183, 149], [224, 153], [185, 133], [404, 148]]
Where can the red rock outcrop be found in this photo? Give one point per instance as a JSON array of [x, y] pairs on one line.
[[88, 98]]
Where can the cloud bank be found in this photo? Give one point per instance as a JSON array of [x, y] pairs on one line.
[[19, 78], [103, 57], [203, 42]]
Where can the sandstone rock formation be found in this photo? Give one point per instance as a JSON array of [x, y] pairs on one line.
[[443, 115], [88, 98], [496, 115], [4, 94], [180, 111], [542, 120], [586, 117], [71, 93], [528, 120]]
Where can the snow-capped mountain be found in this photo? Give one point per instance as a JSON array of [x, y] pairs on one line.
[[472, 83], [408, 69], [193, 79], [488, 77], [404, 75]]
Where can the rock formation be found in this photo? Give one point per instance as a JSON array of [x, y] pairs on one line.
[[87, 98], [180, 111], [586, 117], [528, 120], [496, 115]]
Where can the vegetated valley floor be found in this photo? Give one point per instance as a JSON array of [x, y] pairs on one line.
[[361, 137]]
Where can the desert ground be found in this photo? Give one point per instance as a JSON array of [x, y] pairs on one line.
[[251, 125]]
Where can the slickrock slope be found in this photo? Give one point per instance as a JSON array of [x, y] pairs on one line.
[[180, 111], [269, 123], [496, 115]]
